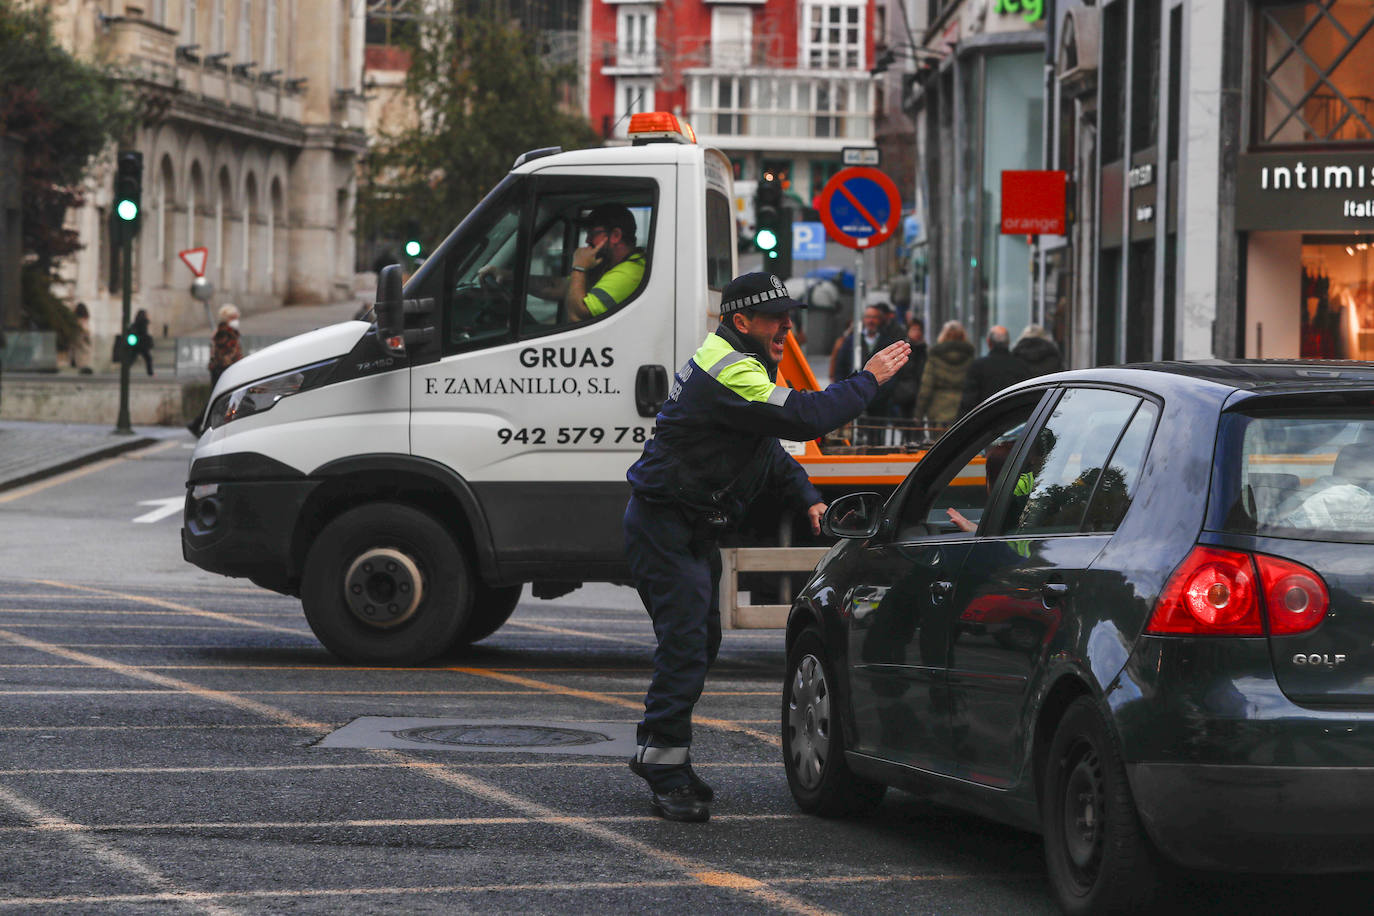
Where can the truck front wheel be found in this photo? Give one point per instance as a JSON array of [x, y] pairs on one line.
[[386, 584]]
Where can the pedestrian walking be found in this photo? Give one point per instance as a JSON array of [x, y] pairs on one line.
[[715, 449], [942, 381], [990, 373], [879, 331], [225, 346], [1035, 348], [142, 343], [908, 382], [82, 347]]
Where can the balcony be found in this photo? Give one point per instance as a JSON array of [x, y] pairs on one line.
[[631, 60], [818, 111]]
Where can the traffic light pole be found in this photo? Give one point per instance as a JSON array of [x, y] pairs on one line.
[[122, 425]]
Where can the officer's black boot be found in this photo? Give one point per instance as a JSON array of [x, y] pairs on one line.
[[699, 786], [681, 804]]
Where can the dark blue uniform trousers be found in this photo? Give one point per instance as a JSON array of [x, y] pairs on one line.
[[678, 578]]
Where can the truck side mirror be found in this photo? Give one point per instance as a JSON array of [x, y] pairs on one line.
[[390, 309]]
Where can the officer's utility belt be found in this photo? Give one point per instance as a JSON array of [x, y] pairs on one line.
[[711, 515]]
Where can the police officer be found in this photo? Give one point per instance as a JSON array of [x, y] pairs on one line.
[[715, 447]]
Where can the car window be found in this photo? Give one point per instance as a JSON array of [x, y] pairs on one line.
[[479, 309], [1116, 486], [560, 228], [1301, 474], [953, 502], [1064, 462]]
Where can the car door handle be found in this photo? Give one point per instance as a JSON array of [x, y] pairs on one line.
[[940, 591], [1054, 592], [651, 389]]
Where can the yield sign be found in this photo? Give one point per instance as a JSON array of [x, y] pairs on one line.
[[860, 207], [195, 259]]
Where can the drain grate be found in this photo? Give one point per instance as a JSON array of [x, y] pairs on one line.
[[601, 739], [503, 736]]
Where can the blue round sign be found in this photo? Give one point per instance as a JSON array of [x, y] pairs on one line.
[[860, 207]]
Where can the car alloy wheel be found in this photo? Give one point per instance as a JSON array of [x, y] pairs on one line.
[[809, 720], [813, 736]]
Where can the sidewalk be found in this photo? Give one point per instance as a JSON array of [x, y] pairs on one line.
[[31, 451]]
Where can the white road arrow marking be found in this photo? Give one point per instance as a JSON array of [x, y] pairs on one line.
[[165, 507]]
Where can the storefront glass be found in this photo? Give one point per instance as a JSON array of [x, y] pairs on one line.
[[1314, 70], [1337, 309], [1012, 139]]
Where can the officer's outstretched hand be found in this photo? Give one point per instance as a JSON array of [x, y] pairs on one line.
[[885, 363], [814, 514]]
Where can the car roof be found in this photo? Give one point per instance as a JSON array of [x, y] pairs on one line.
[[1224, 378]]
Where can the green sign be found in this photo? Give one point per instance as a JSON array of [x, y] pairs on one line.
[[1030, 10]]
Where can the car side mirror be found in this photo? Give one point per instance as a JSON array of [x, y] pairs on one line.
[[854, 515], [391, 311]]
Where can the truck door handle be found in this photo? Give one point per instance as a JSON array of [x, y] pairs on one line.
[[941, 590], [1053, 592], [651, 389]]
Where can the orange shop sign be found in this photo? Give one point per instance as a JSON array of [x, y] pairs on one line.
[[1034, 202]]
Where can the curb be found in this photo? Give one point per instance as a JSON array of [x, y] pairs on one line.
[[117, 448]]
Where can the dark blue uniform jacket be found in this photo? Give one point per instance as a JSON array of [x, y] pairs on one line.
[[715, 443]]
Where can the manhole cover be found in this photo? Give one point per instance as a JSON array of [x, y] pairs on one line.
[[502, 736]]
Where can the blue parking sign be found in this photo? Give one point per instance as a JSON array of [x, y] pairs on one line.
[[808, 241]]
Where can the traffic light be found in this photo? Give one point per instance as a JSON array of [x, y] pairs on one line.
[[128, 193], [768, 217], [781, 260], [413, 247]]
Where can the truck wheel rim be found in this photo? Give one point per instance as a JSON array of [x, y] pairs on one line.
[[808, 722], [383, 588]]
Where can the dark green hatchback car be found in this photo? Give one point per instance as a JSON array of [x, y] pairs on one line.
[[1130, 608]]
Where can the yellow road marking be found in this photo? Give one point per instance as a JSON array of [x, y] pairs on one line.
[[563, 631], [399, 822], [442, 773], [614, 699], [174, 606], [106, 854], [101, 465], [431, 890]]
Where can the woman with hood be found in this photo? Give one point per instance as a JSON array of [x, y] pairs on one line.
[[942, 380], [1035, 348]]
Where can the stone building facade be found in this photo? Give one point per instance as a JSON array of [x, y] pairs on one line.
[[252, 124]]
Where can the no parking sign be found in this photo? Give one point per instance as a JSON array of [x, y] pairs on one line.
[[860, 207]]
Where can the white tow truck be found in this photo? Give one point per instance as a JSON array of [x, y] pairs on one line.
[[405, 477]]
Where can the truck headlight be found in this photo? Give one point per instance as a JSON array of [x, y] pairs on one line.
[[256, 397]]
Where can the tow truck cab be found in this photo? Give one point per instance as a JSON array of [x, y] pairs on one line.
[[405, 477]]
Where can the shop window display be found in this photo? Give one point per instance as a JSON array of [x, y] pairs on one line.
[[1338, 303]]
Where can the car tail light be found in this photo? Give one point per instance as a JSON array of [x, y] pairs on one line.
[[1294, 596], [1211, 593], [1216, 592]]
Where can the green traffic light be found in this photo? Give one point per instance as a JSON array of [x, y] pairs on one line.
[[767, 239], [413, 248], [127, 210], [131, 339]]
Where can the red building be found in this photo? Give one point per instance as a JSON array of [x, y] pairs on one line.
[[774, 83]]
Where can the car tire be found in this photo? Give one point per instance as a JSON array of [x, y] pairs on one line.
[[1097, 853], [813, 737], [386, 584], [491, 607]]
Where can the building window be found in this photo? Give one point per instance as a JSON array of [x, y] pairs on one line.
[[188, 25], [217, 27], [732, 34], [631, 97], [269, 37], [245, 48], [390, 22], [833, 36], [1312, 76], [635, 26]]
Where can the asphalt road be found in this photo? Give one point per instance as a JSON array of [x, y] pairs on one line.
[[165, 745]]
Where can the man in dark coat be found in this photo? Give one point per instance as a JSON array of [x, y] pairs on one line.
[[1037, 351], [989, 374], [879, 331]]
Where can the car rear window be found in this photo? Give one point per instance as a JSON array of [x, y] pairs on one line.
[[1297, 474]]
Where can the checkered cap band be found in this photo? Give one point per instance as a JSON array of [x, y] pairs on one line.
[[734, 305]]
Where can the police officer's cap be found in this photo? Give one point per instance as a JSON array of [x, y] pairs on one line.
[[760, 291]]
